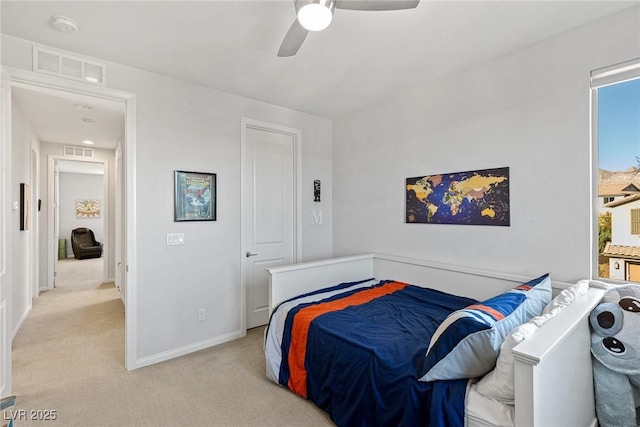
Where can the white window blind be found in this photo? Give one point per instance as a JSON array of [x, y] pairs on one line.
[[617, 73]]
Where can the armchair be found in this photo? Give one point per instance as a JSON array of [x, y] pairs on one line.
[[84, 245]]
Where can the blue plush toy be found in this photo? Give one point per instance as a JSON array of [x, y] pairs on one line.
[[615, 346]]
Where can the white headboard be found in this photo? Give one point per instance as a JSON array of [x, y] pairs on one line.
[[471, 282]]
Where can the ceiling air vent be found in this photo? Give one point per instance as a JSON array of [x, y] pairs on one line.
[[62, 64], [78, 151]]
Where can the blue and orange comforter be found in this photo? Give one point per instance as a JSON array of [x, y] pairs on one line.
[[357, 350]]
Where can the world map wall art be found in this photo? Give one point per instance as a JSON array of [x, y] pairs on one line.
[[479, 197]]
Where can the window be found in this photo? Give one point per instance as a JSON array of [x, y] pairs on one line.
[[616, 137], [635, 221]]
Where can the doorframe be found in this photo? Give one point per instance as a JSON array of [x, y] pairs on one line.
[[54, 85], [52, 160], [246, 123], [34, 270], [6, 380]]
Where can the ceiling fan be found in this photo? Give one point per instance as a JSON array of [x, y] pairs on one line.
[[316, 15]]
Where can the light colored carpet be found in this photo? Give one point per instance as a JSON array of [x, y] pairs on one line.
[[69, 357]]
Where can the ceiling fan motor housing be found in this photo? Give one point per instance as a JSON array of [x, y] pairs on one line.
[[329, 4], [315, 15]]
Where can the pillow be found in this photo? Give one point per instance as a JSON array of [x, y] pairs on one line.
[[499, 383], [467, 343], [567, 296]]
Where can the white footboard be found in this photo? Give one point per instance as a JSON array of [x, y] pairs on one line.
[[292, 280], [553, 372]]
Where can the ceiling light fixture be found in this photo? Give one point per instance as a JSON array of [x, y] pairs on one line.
[[64, 24], [87, 120], [315, 15], [86, 141]]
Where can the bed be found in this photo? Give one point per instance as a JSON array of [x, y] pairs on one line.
[[553, 379]]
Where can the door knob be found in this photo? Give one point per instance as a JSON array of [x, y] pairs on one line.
[[248, 254]]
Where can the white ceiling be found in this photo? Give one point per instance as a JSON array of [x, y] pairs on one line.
[[58, 119], [362, 59]]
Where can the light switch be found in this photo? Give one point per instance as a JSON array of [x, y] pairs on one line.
[[175, 239], [16, 205]]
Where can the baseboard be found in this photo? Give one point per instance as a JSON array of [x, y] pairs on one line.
[[20, 322], [181, 351]]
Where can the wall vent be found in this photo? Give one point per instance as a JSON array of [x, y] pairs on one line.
[[78, 152], [61, 64]]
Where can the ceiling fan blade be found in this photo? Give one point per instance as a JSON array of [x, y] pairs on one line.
[[376, 4], [293, 40]]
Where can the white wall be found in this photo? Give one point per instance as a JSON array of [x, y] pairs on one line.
[[182, 126], [529, 111], [621, 225], [74, 186], [23, 141]]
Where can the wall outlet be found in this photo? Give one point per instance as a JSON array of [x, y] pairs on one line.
[[202, 314]]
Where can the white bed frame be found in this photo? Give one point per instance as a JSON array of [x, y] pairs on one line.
[[553, 372]]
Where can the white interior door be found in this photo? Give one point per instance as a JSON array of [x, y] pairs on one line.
[[120, 213], [269, 212], [56, 221]]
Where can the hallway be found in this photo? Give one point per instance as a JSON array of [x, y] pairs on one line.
[[73, 333], [68, 357]]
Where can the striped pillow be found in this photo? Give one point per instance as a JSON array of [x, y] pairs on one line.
[[467, 343]]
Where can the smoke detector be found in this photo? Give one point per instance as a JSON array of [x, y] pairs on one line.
[[64, 24]]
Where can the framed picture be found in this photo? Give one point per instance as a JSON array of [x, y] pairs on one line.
[[87, 208], [194, 196], [479, 197], [25, 210]]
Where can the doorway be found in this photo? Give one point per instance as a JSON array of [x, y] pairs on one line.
[[270, 168], [125, 228], [81, 132], [81, 198]]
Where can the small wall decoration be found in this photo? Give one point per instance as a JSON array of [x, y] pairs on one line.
[[479, 197], [316, 190], [88, 208], [194, 196], [25, 209]]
